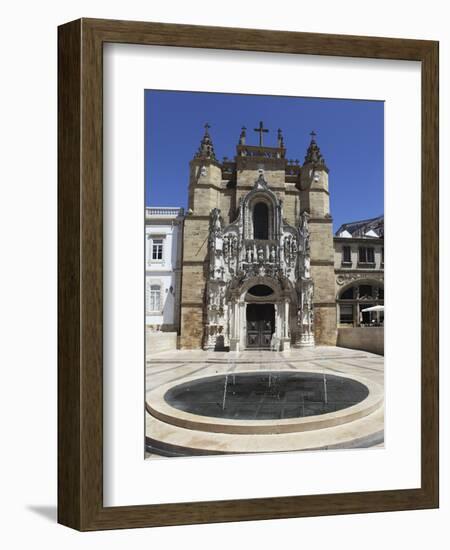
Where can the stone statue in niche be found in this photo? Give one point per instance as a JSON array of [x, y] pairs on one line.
[[306, 250], [306, 266], [305, 314], [260, 255], [216, 245], [294, 247], [225, 247], [304, 231], [311, 317], [216, 225]]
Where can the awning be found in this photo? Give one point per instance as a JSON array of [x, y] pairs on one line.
[[373, 308]]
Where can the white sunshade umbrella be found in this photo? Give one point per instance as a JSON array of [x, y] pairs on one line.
[[373, 308]]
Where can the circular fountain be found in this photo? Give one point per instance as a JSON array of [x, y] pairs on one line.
[[264, 402], [266, 395]]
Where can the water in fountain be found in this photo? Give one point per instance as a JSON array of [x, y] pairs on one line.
[[251, 396]]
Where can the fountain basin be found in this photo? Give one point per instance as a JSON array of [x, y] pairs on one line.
[[264, 402], [266, 395]]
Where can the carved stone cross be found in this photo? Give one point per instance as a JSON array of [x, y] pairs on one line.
[[261, 130]]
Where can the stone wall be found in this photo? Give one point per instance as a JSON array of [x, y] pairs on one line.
[[362, 338], [227, 206], [323, 276], [192, 324], [322, 247], [196, 231], [275, 177], [325, 325], [195, 250], [156, 341], [291, 207]]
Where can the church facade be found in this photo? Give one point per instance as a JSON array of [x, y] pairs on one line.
[[258, 265]]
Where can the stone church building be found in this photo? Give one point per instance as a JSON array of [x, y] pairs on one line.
[[258, 259], [253, 263]]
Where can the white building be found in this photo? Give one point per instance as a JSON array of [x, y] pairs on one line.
[[359, 269], [163, 250]]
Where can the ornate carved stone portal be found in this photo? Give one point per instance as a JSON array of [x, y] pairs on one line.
[[245, 269]]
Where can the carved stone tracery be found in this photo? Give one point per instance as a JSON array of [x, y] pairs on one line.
[[282, 262]]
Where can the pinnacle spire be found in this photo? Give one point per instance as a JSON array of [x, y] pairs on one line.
[[313, 154], [206, 149], [242, 135], [280, 139]]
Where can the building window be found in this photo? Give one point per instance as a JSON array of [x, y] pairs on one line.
[[261, 221], [366, 255], [155, 297], [346, 314], [355, 303], [157, 249], [347, 294], [346, 255], [366, 292]]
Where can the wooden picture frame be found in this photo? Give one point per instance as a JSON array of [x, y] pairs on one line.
[[80, 405]]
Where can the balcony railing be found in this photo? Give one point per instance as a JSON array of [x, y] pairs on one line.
[[155, 211]]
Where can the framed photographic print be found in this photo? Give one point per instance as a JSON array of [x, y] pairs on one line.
[[248, 274]]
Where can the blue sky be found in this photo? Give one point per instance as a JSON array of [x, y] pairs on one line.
[[350, 134]]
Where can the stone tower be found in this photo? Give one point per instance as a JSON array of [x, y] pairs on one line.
[[258, 249], [205, 188], [315, 199]]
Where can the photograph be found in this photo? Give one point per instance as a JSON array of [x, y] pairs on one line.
[[264, 274], [197, 193]]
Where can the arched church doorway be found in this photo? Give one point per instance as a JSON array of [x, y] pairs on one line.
[[260, 325]]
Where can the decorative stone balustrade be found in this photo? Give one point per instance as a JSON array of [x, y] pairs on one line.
[[163, 211]]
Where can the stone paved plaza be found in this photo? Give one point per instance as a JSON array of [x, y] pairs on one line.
[[171, 368]]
